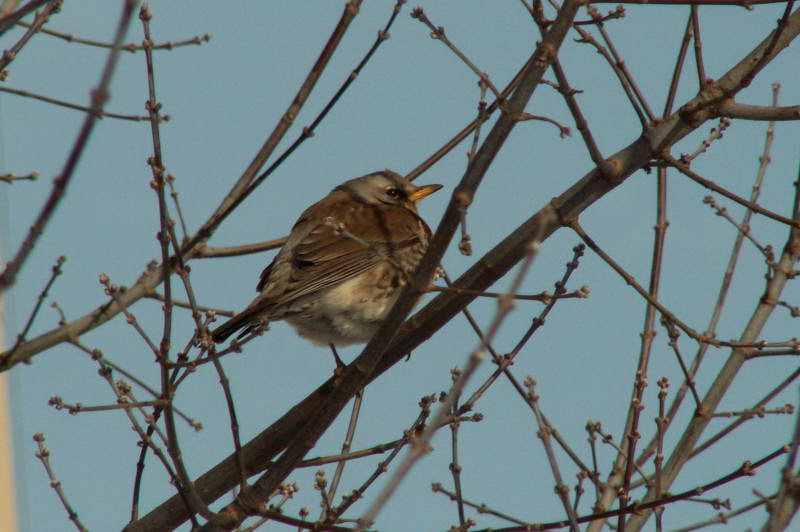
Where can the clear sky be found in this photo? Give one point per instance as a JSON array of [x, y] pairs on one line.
[[224, 98]]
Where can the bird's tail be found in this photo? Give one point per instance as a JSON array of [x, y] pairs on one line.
[[244, 320]]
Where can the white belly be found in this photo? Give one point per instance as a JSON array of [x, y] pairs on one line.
[[345, 314]]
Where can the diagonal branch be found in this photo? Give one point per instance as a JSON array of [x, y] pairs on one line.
[[99, 97]]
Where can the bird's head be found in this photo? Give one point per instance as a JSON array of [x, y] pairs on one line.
[[387, 187]]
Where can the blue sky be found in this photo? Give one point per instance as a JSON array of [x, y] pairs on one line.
[[224, 98]]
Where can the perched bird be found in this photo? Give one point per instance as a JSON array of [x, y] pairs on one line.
[[344, 263]]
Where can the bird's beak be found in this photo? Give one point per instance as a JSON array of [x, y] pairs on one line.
[[423, 191]]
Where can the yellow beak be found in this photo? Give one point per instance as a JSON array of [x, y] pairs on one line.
[[423, 191]]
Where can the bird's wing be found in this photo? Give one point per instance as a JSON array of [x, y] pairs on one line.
[[343, 241]]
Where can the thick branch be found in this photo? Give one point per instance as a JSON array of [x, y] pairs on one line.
[[743, 111]]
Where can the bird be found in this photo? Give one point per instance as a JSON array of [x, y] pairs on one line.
[[343, 265]]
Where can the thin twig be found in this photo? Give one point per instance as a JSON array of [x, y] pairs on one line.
[[758, 412], [587, 37], [11, 178], [674, 334], [99, 113], [730, 428], [408, 436], [658, 460], [678, 70], [130, 47], [482, 508], [59, 404], [715, 134], [769, 255], [724, 518], [43, 454], [698, 47], [786, 501], [54, 273], [347, 443], [40, 19], [561, 489], [455, 466], [98, 356], [437, 33], [185, 304], [620, 64], [10, 19]]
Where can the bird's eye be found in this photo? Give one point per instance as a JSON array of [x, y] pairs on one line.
[[392, 192]]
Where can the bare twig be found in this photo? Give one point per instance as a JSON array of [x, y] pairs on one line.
[[698, 48], [11, 178], [437, 33], [130, 47], [98, 112], [769, 255], [347, 443], [482, 508], [43, 454], [715, 134], [10, 19], [59, 404], [455, 466], [55, 272], [40, 19], [724, 518], [561, 489], [408, 436], [786, 501], [187, 305]]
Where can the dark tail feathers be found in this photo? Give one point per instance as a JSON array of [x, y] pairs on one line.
[[242, 320]]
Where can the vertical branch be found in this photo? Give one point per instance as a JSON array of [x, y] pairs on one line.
[[346, 444], [544, 434], [43, 454], [631, 429], [661, 425], [786, 502], [698, 47], [455, 467], [676, 73], [620, 64], [165, 236]]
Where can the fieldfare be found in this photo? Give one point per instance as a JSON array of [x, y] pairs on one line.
[[344, 263]]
